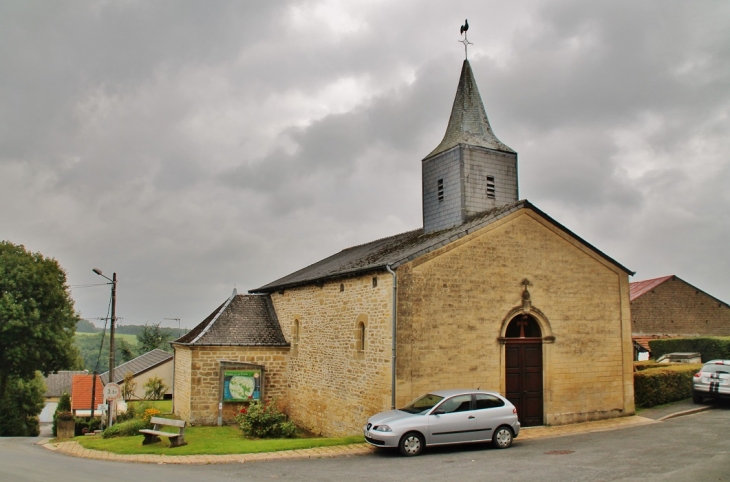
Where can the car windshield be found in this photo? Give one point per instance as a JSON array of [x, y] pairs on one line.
[[422, 404], [716, 368]]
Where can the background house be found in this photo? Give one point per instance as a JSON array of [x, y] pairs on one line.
[[56, 384], [671, 307], [82, 390], [155, 363]]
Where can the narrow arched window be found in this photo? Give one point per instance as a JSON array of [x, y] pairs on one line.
[[295, 332], [361, 336]]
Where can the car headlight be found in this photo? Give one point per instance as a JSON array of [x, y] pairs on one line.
[[382, 428]]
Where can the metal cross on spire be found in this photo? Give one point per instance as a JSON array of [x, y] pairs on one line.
[[465, 41]]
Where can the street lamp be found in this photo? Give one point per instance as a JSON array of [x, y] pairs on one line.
[[113, 280]]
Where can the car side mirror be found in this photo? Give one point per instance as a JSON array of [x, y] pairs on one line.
[[438, 412]]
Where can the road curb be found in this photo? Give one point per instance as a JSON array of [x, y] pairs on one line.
[[686, 412], [75, 449]]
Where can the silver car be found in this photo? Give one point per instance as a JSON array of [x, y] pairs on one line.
[[445, 417], [712, 381]]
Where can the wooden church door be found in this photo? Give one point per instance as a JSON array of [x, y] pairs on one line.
[[523, 369]]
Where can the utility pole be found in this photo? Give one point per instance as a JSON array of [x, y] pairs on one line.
[[111, 335]]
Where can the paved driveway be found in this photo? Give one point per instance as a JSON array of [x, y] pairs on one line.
[[693, 447]]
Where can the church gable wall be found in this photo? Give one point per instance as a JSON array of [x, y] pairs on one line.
[[204, 380], [678, 308], [453, 304], [334, 386]]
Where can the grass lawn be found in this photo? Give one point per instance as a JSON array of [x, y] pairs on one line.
[[210, 440], [131, 339], [164, 406]]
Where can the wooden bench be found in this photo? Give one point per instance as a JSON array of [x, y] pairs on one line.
[[152, 436]]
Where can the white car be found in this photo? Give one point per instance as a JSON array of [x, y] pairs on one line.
[[445, 417], [712, 381]]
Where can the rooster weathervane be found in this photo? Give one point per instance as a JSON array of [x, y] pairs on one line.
[[465, 41]]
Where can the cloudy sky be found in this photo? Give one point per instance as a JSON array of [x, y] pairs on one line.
[[196, 146]]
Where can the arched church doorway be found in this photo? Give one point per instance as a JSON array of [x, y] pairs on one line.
[[523, 369]]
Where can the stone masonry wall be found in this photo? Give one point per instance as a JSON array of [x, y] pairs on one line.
[[678, 308], [333, 386], [181, 400], [205, 379], [453, 305]]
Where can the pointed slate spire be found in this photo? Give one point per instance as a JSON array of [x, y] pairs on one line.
[[468, 123]]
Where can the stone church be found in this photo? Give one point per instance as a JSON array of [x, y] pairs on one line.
[[491, 293]]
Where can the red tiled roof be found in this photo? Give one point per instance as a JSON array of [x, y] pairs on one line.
[[81, 387], [642, 287], [644, 340]]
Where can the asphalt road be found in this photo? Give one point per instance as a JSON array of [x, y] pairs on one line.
[[689, 448]]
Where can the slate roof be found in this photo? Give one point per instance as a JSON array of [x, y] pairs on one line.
[[139, 365], [639, 288], [58, 383], [468, 123], [81, 388], [402, 248], [242, 320]]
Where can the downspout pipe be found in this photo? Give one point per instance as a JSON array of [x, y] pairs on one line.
[[392, 337]]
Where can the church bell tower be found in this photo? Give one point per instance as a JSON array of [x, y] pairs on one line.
[[471, 171]]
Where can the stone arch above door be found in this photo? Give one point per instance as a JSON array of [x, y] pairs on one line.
[[546, 331]]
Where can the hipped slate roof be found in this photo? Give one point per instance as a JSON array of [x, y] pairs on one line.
[[139, 365], [58, 383], [242, 320], [402, 248], [468, 123]]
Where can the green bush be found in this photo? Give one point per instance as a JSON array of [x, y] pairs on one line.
[[126, 429], [64, 405], [648, 365], [711, 347], [264, 420], [658, 386], [82, 426]]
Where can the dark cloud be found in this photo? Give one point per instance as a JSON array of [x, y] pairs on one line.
[[192, 147]]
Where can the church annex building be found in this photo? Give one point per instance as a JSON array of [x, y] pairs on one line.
[[491, 293]]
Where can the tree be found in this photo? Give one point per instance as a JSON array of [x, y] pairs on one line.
[[20, 406], [88, 346], [37, 318], [85, 326], [154, 388], [129, 386], [151, 337]]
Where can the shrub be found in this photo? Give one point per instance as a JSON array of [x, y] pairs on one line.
[[149, 413], [264, 420], [82, 426], [64, 406], [663, 385], [126, 429], [154, 388], [711, 347]]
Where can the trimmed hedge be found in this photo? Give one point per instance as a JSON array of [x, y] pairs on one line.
[[657, 386], [711, 347], [640, 366], [126, 429]]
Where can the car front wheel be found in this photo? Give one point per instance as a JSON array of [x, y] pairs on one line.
[[411, 444], [502, 438]]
